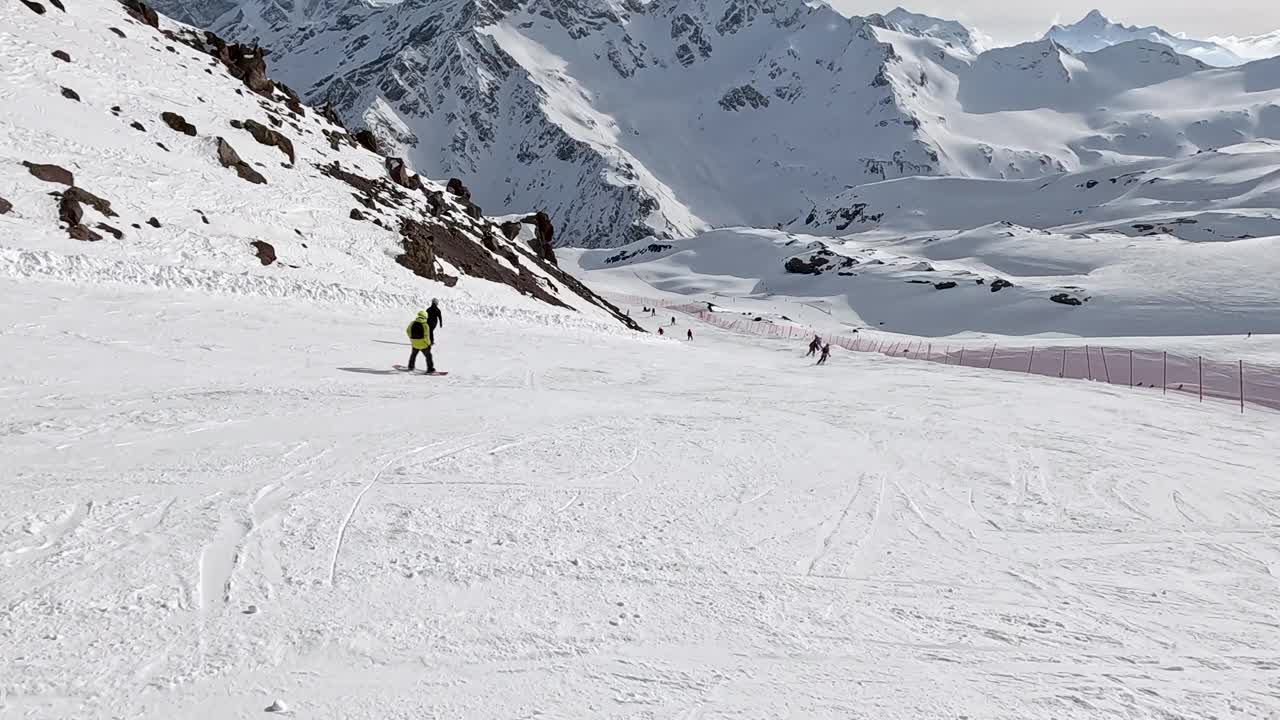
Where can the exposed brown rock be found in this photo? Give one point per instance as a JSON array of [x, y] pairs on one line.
[[228, 156], [70, 94], [356, 214], [103, 206], [456, 188], [328, 113], [178, 123], [266, 136], [51, 173], [80, 232], [5, 206], [265, 252], [88, 198], [113, 231], [142, 12], [399, 172], [69, 210], [367, 141], [545, 235], [62, 55]]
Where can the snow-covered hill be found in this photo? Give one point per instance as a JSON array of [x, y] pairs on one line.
[[133, 149], [1095, 32], [669, 117], [996, 279]]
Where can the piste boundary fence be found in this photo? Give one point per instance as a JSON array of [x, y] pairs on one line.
[[1149, 370]]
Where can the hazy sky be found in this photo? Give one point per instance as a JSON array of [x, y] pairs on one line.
[[1017, 20]]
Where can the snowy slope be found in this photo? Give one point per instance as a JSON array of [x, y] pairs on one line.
[[137, 117], [958, 282], [1095, 32], [583, 525]]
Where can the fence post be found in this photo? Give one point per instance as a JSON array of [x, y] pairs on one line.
[[1164, 379], [1088, 363], [946, 355], [1200, 364], [1063, 372], [992, 358], [1130, 368], [1032, 360], [1105, 367], [929, 357], [1241, 386], [961, 363]]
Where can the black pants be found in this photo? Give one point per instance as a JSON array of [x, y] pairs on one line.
[[413, 356]]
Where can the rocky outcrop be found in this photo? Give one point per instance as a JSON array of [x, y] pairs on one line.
[[50, 173], [142, 12], [366, 140], [1066, 299], [814, 265], [5, 206], [70, 94], [61, 55], [545, 236], [999, 284], [399, 173], [229, 158], [265, 251], [177, 123], [273, 138], [34, 7], [947, 285]]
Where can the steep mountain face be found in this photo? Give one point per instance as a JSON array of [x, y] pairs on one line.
[[1095, 32], [954, 34], [1255, 47], [618, 119], [624, 119], [135, 149]]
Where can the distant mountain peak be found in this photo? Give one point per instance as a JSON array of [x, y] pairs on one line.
[[1095, 32]]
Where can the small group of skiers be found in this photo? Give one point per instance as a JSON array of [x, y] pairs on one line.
[[816, 346], [651, 312], [422, 332]]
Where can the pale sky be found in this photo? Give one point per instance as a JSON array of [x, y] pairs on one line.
[[1009, 21]]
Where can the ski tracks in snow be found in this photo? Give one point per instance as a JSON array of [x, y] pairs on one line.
[[395, 459]]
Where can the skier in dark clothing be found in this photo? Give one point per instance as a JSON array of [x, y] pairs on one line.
[[419, 332], [434, 318], [691, 334], [826, 353], [814, 345]]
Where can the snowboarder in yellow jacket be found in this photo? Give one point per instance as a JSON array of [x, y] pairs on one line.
[[419, 332]]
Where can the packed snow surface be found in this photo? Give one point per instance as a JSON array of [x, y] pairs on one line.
[[214, 503]]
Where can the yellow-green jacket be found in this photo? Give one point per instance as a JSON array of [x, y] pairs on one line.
[[419, 332]]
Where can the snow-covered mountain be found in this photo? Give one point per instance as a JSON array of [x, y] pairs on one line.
[[955, 34], [623, 120], [1255, 47], [1095, 32], [134, 149]]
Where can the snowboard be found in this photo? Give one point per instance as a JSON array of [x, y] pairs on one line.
[[403, 368]]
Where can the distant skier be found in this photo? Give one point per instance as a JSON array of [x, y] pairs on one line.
[[814, 345], [673, 321], [690, 334], [434, 318], [660, 333], [826, 353], [419, 332]]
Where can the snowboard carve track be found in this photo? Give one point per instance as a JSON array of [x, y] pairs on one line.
[[355, 505]]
